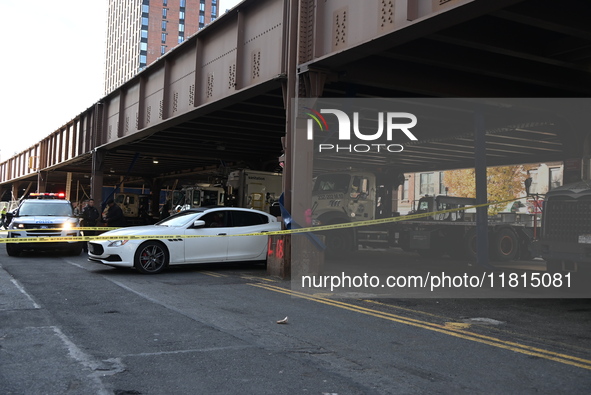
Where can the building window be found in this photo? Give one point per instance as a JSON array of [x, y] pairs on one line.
[[145, 21], [555, 177], [164, 25], [164, 12], [165, 2], [404, 194], [427, 186], [201, 19], [143, 60], [214, 10], [181, 15], [145, 8], [534, 181], [143, 46], [181, 27], [202, 7], [163, 38], [183, 3], [181, 39], [162, 49]]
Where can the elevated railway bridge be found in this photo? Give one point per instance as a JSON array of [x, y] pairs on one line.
[[223, 99]]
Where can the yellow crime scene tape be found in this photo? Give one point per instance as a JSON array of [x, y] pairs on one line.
[[320, 228]]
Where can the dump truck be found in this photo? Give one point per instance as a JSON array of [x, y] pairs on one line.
[[255, 189], [356, 196]]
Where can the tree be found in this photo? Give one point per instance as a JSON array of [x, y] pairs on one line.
[[503, 183]]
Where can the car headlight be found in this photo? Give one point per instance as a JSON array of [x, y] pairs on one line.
[[117, 243], [20, 226], [67, 226]]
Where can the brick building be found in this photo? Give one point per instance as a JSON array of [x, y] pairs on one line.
[[140, 31]]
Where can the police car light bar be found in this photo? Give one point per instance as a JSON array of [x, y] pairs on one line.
[[59, 195]]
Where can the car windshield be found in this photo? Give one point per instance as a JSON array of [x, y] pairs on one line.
[[180, 219], [46, 209]]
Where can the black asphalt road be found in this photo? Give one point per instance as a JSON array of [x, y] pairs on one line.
[[68, 326]]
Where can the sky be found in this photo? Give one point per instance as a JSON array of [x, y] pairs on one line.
[[52, 68]]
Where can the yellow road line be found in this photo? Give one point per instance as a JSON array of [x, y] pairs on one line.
[[213, 274], [259, 278], [495, 329], [406, 309], [463, 334]]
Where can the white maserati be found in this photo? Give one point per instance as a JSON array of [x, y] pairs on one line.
[[171, 246]]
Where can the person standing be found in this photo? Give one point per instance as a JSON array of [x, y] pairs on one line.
[[90, 216], [114, 216], [3, 218]]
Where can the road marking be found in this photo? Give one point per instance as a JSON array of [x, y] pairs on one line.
[[457, 325], [98, 369], [22, 290], [213, 274], [246, 277], [459, 333]]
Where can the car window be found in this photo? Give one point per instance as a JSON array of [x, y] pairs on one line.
[[247, 218], [46, 209], [180, 219], [215, 219]]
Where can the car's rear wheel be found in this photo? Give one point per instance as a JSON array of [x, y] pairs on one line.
[[151, 257], [12, 250]]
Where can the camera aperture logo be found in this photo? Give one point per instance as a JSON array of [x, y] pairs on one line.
[[390, 119]]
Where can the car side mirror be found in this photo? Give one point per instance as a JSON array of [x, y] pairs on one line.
[[198, 223]]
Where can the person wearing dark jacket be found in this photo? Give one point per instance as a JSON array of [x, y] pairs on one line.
[[114, 217], [90, 214]]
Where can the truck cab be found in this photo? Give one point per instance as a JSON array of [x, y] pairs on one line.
[[135, 207], [428, 204], [343, 197], [202, 195]]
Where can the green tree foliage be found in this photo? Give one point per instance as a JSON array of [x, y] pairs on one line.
[[505, 182]]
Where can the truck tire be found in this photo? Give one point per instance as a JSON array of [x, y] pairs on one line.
[[505, 245], [470, 244]]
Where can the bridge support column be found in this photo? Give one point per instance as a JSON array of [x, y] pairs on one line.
[[41, 181], [96, 176], [15, 188], [481, 189]]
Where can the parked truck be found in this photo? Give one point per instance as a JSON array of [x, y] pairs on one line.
[[255, 189], [200, 195], [135, 207], [357, 196], [566, 230]]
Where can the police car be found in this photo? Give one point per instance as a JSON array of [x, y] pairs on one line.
[[44, 215]]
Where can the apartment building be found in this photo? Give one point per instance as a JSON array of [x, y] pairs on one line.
[[140, 31]]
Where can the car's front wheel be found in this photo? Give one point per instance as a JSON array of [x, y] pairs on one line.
[[12, 250], [151, 257]]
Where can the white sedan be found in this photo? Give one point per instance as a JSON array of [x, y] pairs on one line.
[[153, 255]]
